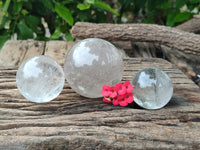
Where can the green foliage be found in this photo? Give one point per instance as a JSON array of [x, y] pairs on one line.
[[165, 12], [24, 31], [29, 19], [104, 6], [5, 7], [64, 13], [83, 6]]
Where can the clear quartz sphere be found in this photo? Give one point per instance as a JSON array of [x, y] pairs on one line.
[[152, 88], [40, 79], [92, 63]]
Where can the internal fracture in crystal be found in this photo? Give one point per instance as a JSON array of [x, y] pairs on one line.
[[40, 79], [92, 63], [152, 88]]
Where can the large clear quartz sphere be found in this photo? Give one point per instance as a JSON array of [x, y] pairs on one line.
[[40, 79], [152, 88], [92, 63]]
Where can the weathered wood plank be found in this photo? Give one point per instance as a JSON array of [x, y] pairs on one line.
[[13, 52], [74, 122], [58, 49]]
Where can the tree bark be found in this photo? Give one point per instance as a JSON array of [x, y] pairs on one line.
[[188, 43], [192, 25]]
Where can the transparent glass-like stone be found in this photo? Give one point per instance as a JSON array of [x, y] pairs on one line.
[[92, 63], [40, 79], [152, 88]]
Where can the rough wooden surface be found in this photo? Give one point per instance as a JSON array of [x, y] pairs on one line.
[[74, 122], [14, 52], [192, 25], [58, 49]]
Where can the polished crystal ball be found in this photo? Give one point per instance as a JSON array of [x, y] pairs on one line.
[[152, 88], [92, 63], [40, 79]]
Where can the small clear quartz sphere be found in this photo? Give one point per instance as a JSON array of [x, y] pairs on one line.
[[40, 79], [152, 88], [92, 63]]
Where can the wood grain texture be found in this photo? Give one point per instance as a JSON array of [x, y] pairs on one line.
[[152, 41], [74, 122], [188, 43], [58, 49], [192, 25], [14, 52]]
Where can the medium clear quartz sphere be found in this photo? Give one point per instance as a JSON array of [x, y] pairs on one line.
[[152, 88], [40, 79], [92, 63]]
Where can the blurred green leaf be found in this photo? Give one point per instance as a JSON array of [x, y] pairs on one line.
[[170, 18], [24, 31], [89, 1], [63, 28], [3, 39], [180, 17], [35, 24], [48, 4], [176, 17], [194, 1], [4, 21], [24, 12], [164, 5], [69, 37], [126, 3], [55, 35], [83, 7], [180, 3], [28, 5], [6, 5], [32, 21], [84, 15], [105, 6], [64, 13], [17, 5]]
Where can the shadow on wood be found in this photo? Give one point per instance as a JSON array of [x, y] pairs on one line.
[[74, 122]]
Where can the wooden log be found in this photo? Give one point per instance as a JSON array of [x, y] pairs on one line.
[[154, 41], [149, 49], [74, 122], [192, 25], [188, 43], [53, 48], [189, 64]]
